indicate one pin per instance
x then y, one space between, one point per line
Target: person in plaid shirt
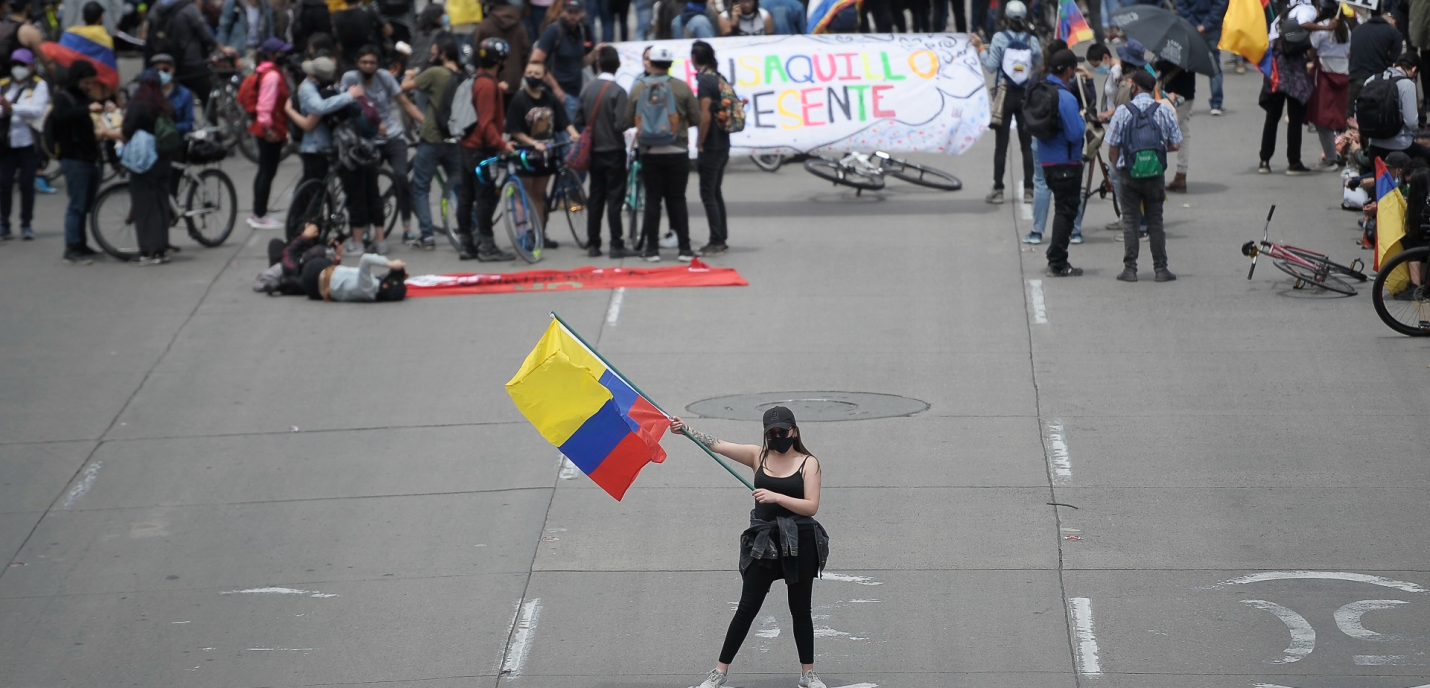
1139 136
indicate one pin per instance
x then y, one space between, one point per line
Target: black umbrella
1169 36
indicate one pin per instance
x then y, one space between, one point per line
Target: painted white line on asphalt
613 313
86 480
521 638
281 649
1303 637
1088 664
1348 619
1378 660
860 685
1277 685
1323 575
1058 447
843 578
1040 306
769 628
1025 209
278 591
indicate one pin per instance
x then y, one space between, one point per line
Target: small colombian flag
1389 215
1072 27
588 410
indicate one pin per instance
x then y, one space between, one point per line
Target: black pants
476 199
712 196
608 185
394 152
1142 201
199 80
363 200
665 176
1013 108
149 196
17 166
1065 181
1296 110
269 155
758 578
1353 92
940 15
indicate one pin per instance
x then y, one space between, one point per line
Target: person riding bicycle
533 119
484 142
386 95
310 113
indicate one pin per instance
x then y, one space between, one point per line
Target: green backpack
167 139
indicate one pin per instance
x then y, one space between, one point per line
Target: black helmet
492 51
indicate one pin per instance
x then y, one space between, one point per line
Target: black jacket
311 17
186 37
73 128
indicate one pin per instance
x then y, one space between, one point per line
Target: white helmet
1016 10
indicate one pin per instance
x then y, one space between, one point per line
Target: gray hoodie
359 283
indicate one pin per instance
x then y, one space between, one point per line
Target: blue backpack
1146 151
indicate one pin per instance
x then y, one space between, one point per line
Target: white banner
890 92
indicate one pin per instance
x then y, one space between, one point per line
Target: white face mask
20 73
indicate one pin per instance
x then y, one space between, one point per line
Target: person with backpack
380 87
315 102
1014 59
245 24
720 114
534 117
1387 111
179 97
603 105
1139 136
1085 90
177 28
1374 46
482 142
503 20
72 134
1051 113
149 111
568 45
433 145
262 95
663 110
24 100
1290 38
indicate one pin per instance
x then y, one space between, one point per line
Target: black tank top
791 486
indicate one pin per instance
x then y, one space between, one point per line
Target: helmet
1016 10
492 51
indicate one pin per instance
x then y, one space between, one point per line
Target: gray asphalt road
200 486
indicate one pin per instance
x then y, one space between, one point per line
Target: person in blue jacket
177 94
1061 158
1206 16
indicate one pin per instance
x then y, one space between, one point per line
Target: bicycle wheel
444 214
387 191
569 197
112 222
311 203
522 224
920 175
212 208
769 161
1326 263
1317 278
1400 304
830 170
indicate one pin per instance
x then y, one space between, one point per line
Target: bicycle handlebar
522 153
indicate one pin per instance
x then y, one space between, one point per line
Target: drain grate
810 406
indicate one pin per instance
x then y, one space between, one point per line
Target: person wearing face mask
503 20
178 95
533 119
76 137
24 99
568 42
313 106
148 189
386 94
783 542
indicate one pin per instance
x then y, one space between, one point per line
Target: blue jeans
699 28
644 8
1213 37
82 185
1043 200
424 166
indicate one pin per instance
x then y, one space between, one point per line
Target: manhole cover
809 406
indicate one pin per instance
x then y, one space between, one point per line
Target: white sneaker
1216 112
714 680
811 680
265 222
669 241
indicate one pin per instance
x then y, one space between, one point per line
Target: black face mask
533 83
780 444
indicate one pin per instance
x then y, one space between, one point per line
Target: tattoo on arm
707 440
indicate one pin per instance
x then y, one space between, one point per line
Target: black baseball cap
778 417
1061 60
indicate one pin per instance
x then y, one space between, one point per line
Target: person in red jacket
270 127
485 141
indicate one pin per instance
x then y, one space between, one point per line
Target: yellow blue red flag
588 410
1389 215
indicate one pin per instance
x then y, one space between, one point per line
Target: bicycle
209 211
223 111
1402 304
324 202
772 161
633 204
522 224
1105 188
866 172
1307 267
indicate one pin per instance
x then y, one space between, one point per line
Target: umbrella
1169 36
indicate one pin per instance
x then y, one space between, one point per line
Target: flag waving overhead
1244 29
1072 28
1389 215
588 410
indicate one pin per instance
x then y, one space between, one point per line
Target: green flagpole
627 380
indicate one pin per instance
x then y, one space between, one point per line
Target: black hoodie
311 17
186 37
73 127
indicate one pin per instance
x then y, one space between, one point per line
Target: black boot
487 252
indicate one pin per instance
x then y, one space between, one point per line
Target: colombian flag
821 12
91 43
1389 215
1072 28
588 410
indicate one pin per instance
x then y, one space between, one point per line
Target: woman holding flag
783 540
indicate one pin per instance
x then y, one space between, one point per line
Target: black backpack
443 111
1040 110
160 37
1378 107
1295 39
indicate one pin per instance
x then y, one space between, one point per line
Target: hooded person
78 150
503 20
178 28
374 279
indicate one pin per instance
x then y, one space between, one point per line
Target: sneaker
1076 239
811 680
1114 226
1165 275
491 254
1028 196
1033 238
1240 68
548 242
1064 271
380 248
1326 166
1297 170
263 222
85 250
145 261
27 234
1264 167
619 252
995 197
714 680
594 251
74 257
352 248
1216 112
652 257
1409 293
426 244
686 256
669 240
713 249
1118 237
1128 275
43 186
1142 235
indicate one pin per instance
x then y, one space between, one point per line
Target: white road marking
613 313
86 480
521 638
1277 685
1040 306
180 622
1058 447
278 591
281 649
1378 660
1303 637
769 628
1088 664
1323 575
843 578
1348 619
860 685
1024 209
